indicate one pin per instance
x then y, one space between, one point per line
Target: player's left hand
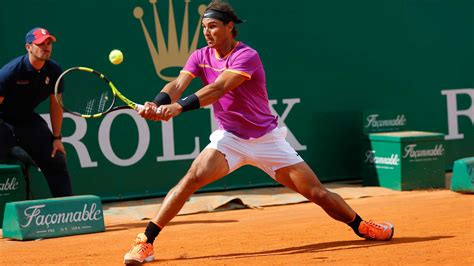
57 146
169 111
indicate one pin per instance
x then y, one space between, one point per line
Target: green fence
335 71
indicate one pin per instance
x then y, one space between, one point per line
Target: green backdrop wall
330 66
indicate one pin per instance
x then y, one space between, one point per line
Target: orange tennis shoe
376 231
140 252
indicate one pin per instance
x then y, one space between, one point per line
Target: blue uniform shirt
24 88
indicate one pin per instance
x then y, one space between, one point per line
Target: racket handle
139 107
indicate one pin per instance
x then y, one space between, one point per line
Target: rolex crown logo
169 54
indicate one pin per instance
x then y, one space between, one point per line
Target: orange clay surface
431 228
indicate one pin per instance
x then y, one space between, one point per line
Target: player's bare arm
210 93
56 113
226 82
1 99
176 87
173 89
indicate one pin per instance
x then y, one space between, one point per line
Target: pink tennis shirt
243 111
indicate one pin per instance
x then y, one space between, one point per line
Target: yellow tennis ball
116 57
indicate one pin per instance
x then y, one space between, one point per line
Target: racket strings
86 94
104 99
90 107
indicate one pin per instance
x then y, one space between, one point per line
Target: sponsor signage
53 217
12 186
384 121
413 154
9 185
405 160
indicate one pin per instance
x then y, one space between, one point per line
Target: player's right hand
150 112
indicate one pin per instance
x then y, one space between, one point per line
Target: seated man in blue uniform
25 82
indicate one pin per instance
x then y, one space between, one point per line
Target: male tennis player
234 83
25 82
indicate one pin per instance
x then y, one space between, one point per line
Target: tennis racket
89 93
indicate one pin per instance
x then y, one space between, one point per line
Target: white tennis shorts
269 152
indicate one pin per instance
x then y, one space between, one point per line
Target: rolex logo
167 54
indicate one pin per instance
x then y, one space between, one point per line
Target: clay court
433 227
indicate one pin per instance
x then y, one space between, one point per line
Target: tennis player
248 134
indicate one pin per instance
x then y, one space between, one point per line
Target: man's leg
300 178
36 139
7 140
209 166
